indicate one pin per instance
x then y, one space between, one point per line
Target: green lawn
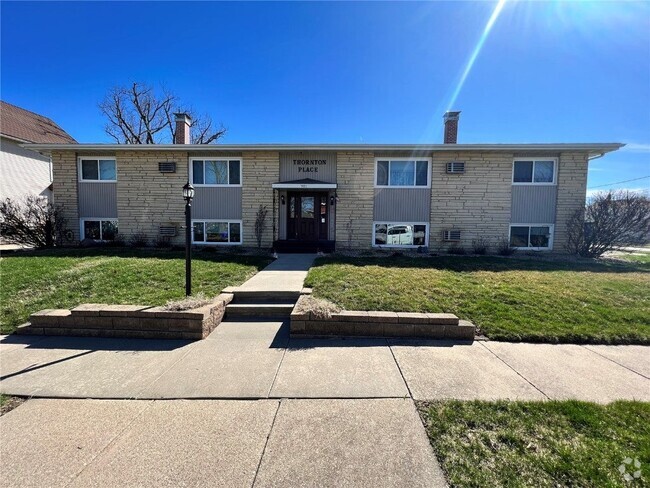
67 277
509 299
637 258
539 444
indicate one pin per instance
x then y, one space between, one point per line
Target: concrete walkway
287 273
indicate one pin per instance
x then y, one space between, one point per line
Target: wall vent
451 235
455 167
167 167
167 230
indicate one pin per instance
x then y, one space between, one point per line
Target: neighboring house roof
25 126
591 148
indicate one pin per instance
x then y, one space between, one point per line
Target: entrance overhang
306 184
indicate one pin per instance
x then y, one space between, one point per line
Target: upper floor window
221 172
534 171
97 169
402 172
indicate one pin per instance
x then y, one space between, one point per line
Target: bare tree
33 222
137 114
260 223
609 221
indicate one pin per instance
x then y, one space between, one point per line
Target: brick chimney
451 127
183 123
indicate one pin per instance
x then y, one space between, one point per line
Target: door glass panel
307 207
292 207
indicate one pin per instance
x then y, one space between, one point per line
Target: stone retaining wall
131 321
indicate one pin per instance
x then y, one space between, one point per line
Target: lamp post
188 194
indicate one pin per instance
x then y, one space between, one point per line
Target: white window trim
216 185
220 221
531 183
80 177
389 159
550 240
406 246
100 220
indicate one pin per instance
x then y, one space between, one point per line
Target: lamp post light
188 195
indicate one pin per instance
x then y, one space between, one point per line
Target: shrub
163 242
32 222
456 249
139 239
504 248
480 246
260 224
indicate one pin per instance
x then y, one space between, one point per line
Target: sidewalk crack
614 361
266 443
399 368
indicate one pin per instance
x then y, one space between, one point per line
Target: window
400 234
222 172
97 169
216 232
531 236
402 172
534 171
99 229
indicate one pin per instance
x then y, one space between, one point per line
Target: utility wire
619 182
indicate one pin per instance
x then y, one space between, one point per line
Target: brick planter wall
130 321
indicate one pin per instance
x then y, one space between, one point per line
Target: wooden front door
307 216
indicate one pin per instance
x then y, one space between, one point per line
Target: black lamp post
188 194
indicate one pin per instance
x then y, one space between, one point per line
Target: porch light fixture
282 199
332 200
188 195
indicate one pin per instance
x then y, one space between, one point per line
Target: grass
636 258
509 299
8 403
538 444
64 278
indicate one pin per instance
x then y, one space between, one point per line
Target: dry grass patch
318 307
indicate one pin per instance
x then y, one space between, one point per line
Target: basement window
222 172
216 232
99 229
97 169
534 237
399 234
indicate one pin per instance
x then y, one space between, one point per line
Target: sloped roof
26 126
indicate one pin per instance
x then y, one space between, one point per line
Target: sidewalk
287 273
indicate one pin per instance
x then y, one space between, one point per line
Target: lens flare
476 52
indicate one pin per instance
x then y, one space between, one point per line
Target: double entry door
307 216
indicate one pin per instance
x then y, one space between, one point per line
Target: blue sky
350 72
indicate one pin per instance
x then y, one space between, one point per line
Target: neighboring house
320 196
23 171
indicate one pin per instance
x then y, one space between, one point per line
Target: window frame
219 221
217 185
389 159
534 160
550 239
80 177
402 246
83 220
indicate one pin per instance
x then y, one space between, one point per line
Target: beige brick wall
147 198
477 202
259 171
572 189
354 210
64 193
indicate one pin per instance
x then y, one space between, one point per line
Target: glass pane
307 207
382 173
380 234
109 229
523 172
216 173
540 236
91 229
89 169
402 173
197 172
216 232
519 236
235 232
419 235
107 170
292 207
323 205
543 171
400 235
422 172
199 235
235 177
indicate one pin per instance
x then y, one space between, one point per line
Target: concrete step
276 310
248 296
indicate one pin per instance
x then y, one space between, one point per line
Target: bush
260 224
32 222
504 248
139 239
610 221
480 246
163 242
456 249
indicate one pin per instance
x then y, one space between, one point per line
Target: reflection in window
402 173
100 230
533 171
525 236
217 232
400 234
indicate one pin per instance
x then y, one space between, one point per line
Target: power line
618 182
